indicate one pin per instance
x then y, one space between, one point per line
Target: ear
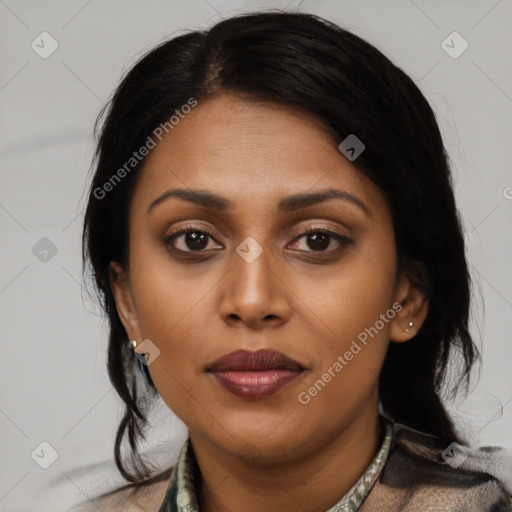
121 289
414 302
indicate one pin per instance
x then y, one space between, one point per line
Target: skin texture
273 454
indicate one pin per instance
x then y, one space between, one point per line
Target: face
246 275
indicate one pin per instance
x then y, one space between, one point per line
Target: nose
255 294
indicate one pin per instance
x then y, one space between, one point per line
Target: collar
181 494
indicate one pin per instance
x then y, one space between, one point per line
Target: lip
255 374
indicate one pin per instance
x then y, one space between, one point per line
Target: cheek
361 289
162 293
356 305
166 306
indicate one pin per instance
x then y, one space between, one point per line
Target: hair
304 62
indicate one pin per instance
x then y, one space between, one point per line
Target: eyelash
343 240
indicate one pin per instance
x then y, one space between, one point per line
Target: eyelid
296 232
321 225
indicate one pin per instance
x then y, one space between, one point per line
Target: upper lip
245 360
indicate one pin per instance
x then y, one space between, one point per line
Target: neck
313 483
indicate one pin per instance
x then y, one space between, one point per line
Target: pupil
197 240
319 241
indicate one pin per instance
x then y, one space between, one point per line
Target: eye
319 240
189 239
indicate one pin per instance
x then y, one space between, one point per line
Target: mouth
255 375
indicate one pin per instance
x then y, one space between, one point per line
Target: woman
272 231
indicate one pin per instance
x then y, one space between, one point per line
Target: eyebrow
286 204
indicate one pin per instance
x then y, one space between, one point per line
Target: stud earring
141 357
409 325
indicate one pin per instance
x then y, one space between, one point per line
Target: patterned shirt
181 493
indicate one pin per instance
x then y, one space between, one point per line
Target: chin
264 440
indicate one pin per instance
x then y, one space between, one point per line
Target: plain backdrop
54 387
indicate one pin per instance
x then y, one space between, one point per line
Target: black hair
304 62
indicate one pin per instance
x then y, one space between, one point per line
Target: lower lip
256 384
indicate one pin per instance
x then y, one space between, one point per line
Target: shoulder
129 498
425 473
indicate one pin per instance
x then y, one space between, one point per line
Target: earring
141 357
409 325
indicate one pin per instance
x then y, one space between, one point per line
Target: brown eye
192 239
320 239
189 239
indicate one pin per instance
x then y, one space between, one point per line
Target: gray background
54 386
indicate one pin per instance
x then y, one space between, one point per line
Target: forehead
250 151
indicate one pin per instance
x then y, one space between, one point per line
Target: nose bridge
253 292
253 270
